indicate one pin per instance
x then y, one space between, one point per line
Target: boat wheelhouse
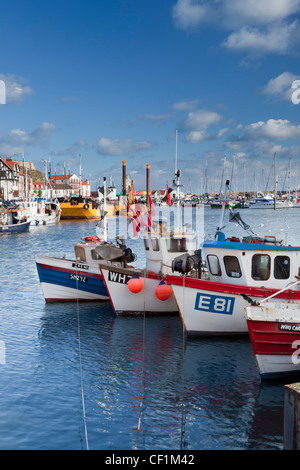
214 304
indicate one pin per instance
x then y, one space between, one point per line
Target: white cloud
197 124
188 14
185 105
17 139
255 26
278 39
15 87
201 119
238 13
275 129
280 87
116 147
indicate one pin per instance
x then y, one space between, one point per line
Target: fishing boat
13 220
144 291
274 329
79 208
79 279
42 211
210 301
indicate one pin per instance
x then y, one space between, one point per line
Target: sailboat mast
275 181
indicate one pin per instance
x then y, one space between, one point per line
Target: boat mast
79 175
104 208
275 181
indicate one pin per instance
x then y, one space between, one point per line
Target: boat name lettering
214 303
118 277
289 327
80 266
77 277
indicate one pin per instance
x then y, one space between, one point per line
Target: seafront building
17 181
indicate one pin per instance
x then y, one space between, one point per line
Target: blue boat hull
15 228
64 284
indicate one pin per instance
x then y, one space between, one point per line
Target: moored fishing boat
274 329
144 291
42 211
67 280
79 279
13 220
210 302
80 208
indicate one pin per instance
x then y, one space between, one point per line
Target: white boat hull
210 313
209 308
45 219
125 302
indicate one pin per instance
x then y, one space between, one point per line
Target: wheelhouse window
80 253
176 245
214 265
282 267
155 244
232 266
95 255
260 267
146 243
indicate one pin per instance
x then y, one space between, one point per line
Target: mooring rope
142 385
80 366
183 349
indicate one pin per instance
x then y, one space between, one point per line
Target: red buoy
135 284
163 291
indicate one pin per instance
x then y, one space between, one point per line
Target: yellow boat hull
84 211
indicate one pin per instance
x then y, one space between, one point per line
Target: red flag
135 219
168 196
151 206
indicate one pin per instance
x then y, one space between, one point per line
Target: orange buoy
163 291
135 284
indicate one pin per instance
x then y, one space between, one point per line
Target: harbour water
145 385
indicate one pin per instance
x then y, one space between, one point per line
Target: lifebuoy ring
86 206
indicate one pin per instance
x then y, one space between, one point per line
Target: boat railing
257 304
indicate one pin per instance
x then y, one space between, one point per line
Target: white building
69 185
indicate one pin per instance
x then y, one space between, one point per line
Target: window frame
209 265
230 272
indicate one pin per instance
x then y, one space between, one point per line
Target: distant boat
13 220
266 201
79 208
42 211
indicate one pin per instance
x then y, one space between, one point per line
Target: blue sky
113 80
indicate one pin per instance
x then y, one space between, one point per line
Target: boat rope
142 384
80 367
182 381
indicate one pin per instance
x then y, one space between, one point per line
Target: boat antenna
224 200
